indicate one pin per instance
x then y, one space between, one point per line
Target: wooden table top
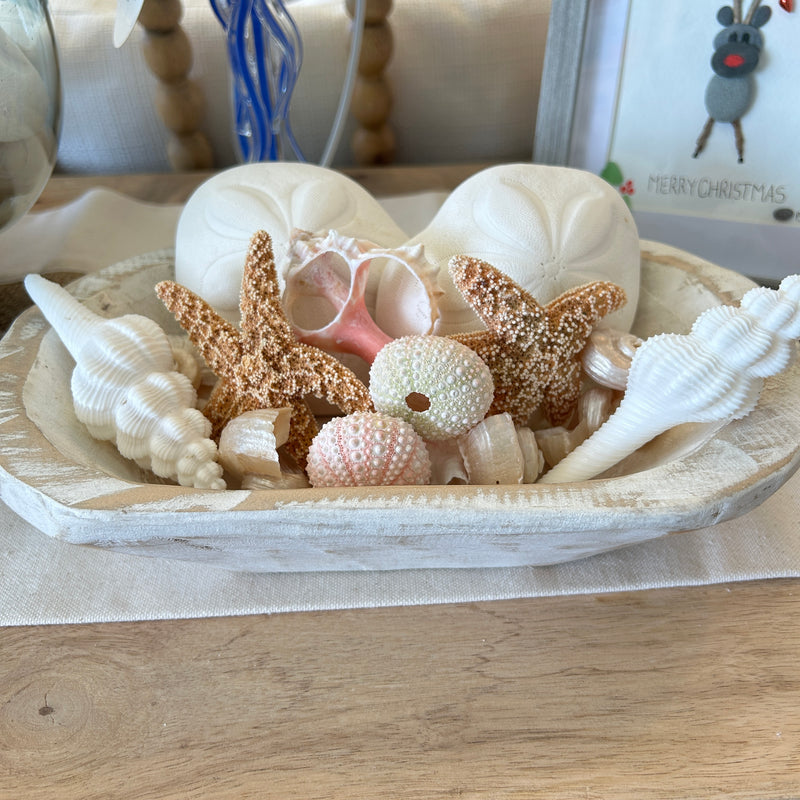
670 693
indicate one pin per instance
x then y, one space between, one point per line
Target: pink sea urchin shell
368 449
437 384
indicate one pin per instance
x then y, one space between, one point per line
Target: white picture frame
587 96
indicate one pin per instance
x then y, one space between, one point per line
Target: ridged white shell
248 444
333 300
125 388
713 373
438 385
547 228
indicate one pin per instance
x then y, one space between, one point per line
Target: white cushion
465 77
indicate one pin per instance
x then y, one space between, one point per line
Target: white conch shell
607 356
496 452
248 444
337 296
125 388
548 228
713 373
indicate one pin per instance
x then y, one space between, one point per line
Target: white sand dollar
215 227
548 228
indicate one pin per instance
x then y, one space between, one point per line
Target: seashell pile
552 388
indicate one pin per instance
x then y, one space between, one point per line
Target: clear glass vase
30 105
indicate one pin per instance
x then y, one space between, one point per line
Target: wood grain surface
679 693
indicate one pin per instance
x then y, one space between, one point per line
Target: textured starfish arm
217 340
302 430
586 304
330 380
260 297
222 406
502 305
561 394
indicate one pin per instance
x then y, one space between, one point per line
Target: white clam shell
547 228
712 374
125 388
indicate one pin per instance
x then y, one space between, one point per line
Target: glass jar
30 105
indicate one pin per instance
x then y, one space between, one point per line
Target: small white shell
125 388
712 374
607 356
496 452
248 444
594 408
447 465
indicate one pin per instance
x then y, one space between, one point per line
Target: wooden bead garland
179 99
373 141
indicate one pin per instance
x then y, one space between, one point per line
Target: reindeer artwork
737 49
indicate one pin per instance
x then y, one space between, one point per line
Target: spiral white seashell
332 303
548 228
713 373
126 389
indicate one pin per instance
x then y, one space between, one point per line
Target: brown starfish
263 365
531 350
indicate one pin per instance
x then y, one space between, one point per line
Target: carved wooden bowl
82 491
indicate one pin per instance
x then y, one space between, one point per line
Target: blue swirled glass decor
265 54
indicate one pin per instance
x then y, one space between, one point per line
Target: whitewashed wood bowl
82 491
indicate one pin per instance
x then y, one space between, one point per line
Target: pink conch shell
712 374
334 273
